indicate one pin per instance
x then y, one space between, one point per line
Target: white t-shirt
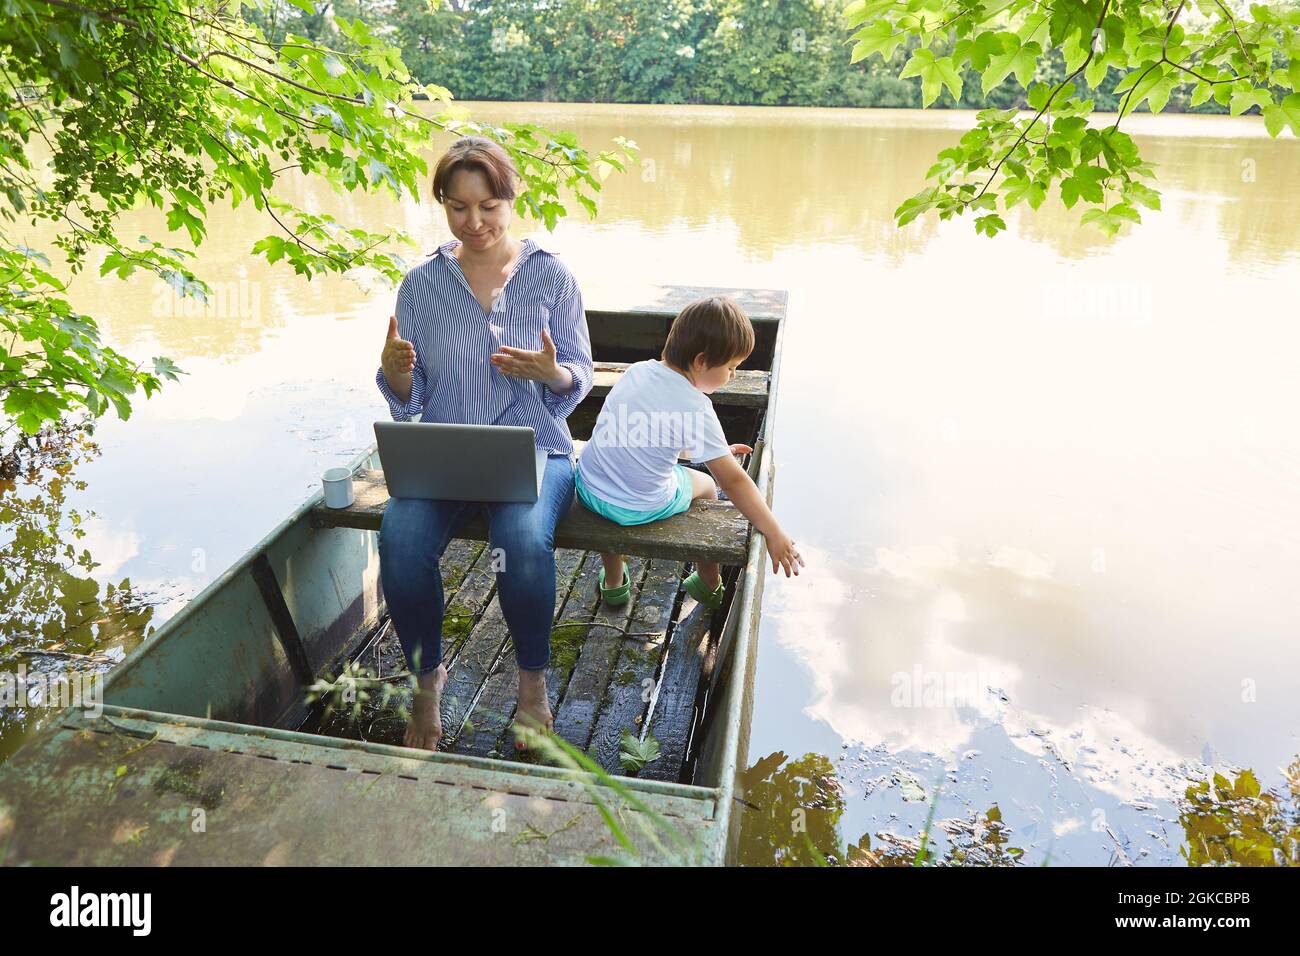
650 415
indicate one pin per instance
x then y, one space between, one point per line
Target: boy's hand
782 552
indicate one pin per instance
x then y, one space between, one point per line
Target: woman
491 331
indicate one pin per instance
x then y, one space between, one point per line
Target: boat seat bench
747 389
709 531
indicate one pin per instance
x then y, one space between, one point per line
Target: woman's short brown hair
480 153
714 325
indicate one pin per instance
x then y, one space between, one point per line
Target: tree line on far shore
727 52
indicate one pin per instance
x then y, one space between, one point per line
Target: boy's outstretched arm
742 491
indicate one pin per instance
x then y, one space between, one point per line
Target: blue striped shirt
454 379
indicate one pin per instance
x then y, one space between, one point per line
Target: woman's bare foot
424 729
533 712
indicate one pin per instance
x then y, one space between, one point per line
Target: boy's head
708 340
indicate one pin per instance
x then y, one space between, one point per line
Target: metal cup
337 483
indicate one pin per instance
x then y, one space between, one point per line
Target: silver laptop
460 462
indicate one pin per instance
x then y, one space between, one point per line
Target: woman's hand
741 450
398 362
398 357
539 366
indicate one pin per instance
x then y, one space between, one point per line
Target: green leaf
1032 24
634 754
949 76
1084 184
978 51
878 36
273 246
1037 95
1021 60
913 206
1096 69
381 171
860 11
1143 83
1074 52
165 368
1143 194
186 285
1159 95
1125 211
1286 113
179 216
1110 220
934 74
1024 190
1243 100
1131 77
1070 129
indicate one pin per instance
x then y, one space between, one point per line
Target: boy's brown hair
714 325
480 153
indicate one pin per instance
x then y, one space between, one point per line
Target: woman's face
475 217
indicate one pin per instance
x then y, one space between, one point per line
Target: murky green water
1046 484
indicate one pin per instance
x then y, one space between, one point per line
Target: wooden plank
566 642
469 563
709 531
494 711
749 387
673 710
632 323
463 610
456 563
576 717
640 300
625 703
492 720
717 672
490 639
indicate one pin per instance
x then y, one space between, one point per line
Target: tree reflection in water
792 811
55 618
1237 822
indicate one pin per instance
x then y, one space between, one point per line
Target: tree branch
1025 132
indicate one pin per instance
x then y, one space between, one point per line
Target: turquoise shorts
627 516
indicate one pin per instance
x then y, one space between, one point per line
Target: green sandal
697 589
618 596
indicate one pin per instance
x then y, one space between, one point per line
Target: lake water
1046 484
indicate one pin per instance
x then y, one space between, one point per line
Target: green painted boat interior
208 751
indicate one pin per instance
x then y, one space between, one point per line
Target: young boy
659 409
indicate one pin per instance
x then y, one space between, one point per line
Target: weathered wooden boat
207 751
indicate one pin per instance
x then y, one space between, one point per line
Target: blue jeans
415 533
